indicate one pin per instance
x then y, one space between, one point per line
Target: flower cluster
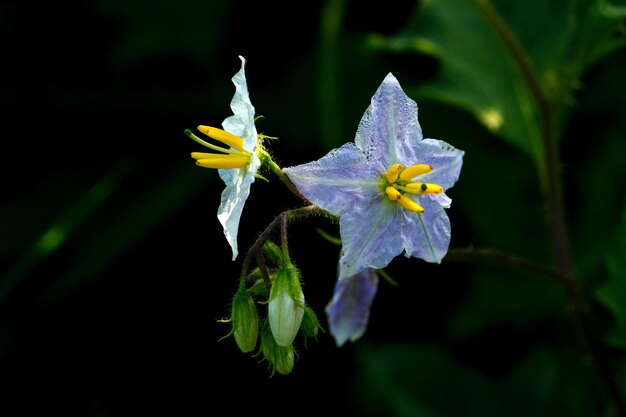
270 303
387 189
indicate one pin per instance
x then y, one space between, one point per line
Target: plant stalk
554 199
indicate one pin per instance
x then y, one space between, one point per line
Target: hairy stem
281 220
554 198
266 159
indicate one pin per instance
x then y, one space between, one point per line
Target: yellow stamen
205 155
409 204
414 171
423 188
223 161
397 185
243 152
392 174
223 136
393 194
403 200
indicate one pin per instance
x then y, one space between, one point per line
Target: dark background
114 270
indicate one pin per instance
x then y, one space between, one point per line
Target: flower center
233 157
399 181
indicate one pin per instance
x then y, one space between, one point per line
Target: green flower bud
286 304
284 360
281 358
272 252
245 320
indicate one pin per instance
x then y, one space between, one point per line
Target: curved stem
267 160
554 197
281 220
461 254
283 236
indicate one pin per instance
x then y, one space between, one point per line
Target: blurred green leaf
116 235
612 10
331 23
613 292
55 235
477 71
596 164
405 380
505 298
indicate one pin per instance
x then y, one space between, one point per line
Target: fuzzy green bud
281 358
286 304
272 252
245 320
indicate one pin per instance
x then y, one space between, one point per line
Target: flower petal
445 160
234 196
349 309
241 123
389 130
427 235
370 236
338 182
238 181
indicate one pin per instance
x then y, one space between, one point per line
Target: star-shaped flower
387 188
238 164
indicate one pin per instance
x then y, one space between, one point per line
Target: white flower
236 165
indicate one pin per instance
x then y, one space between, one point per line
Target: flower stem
460 254
554 198
266 159
281 220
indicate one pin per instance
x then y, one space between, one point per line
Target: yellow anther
423 188
204 155
409 204
404 201
414 171
223 136
394 171
393 194
222 161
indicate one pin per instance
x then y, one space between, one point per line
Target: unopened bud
286 304
272 252
245 320
281 358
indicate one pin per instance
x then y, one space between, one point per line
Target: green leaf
501 297
478 72
55 235
151 205
406 380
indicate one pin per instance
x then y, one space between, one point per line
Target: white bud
286 305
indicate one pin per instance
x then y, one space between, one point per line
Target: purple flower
348 311
387 188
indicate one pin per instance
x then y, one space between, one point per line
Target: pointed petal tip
340 340
390 78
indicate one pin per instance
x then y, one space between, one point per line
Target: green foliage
408 380
478 71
